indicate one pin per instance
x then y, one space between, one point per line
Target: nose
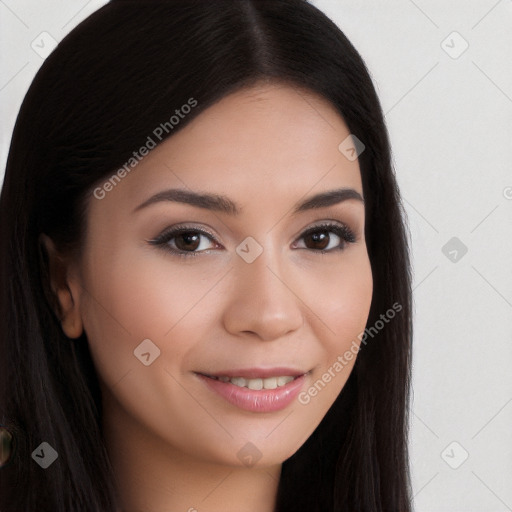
263 301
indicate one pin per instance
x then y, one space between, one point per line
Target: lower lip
264 400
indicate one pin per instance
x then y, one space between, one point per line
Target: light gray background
449 116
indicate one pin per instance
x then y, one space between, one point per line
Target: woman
205 278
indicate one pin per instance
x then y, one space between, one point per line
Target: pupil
190 239
320 237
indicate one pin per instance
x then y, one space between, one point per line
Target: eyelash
344 232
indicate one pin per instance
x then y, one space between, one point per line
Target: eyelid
345 232
176 230
330 224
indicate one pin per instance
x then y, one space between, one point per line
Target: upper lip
255 373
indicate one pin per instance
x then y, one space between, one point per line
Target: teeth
257 384
270 383
281 381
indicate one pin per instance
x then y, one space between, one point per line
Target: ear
66 289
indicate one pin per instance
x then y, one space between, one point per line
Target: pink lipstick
256 390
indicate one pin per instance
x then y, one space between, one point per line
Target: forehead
256 144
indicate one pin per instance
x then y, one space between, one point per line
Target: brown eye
184 241
187 241
318 240
327 238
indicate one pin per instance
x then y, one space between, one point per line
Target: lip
264 400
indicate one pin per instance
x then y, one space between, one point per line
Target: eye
328 237
183 241
190 241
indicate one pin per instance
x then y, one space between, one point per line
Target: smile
272 390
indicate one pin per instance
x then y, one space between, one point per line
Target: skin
174 443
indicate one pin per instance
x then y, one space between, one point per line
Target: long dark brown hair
108 84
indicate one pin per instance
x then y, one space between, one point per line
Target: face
191 306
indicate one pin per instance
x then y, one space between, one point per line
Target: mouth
256 390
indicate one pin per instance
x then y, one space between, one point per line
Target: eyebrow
225 205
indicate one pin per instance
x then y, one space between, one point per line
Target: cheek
132 298
342 300
341 312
